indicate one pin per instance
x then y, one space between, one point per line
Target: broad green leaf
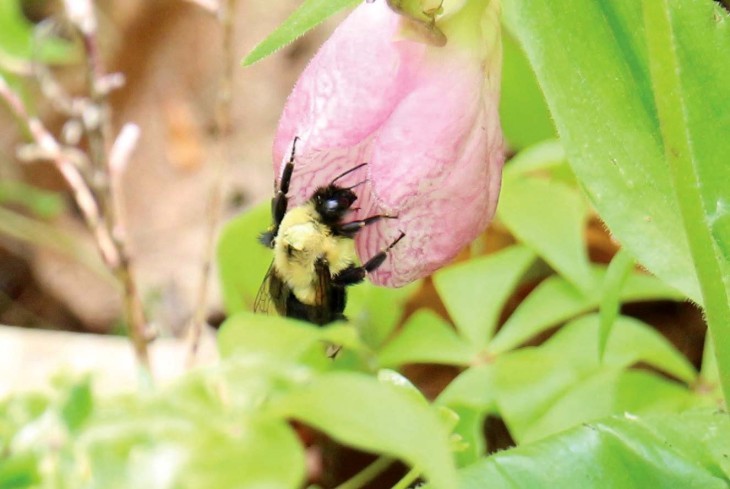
359 411
474 292
609 124
376 311
426 338
529 382
549 217
263 455
473 388
309 14
242 260
616 274
631 342
685 450
77 405
555 301
254 334
471 430
700 204
546 155
19 472
606 393
522 109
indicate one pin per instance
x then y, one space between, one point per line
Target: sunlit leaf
242 260
549 217
606 393
474 292
616 274
254 334
522 109
364 413
685 450
555 301
609 124
631 341
309 14
426 338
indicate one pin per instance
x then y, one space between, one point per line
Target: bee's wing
264 302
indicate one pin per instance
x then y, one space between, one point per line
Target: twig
215 196
46 145
89 176
97 124
366 475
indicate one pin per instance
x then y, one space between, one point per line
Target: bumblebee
314 251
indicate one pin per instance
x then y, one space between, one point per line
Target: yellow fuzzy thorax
302 240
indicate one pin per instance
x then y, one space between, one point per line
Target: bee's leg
280 201
354 275
349 229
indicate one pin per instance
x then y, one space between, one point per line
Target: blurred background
170 53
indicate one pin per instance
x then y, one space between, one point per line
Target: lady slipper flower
424 118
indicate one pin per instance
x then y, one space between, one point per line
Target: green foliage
522 109
689 451
536 328
609 124
309 14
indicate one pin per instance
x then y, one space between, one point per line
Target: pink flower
423 117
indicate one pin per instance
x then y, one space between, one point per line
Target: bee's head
333 202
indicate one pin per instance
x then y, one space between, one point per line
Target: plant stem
97 124
216 192
408 479
665 71
367 474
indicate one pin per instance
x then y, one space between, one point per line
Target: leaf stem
665 74
367 474
408 479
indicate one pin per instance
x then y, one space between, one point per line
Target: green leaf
549 217
376 311
262 455
522 109
78 404
546 155
309 14
699 173
687 450
631 342
470 429
426 338
473 388
616 275
19 471
529 382
475 292
242 260
555 301
364 413
253 334
606 393
610 127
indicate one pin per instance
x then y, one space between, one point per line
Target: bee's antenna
358 184
347 172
